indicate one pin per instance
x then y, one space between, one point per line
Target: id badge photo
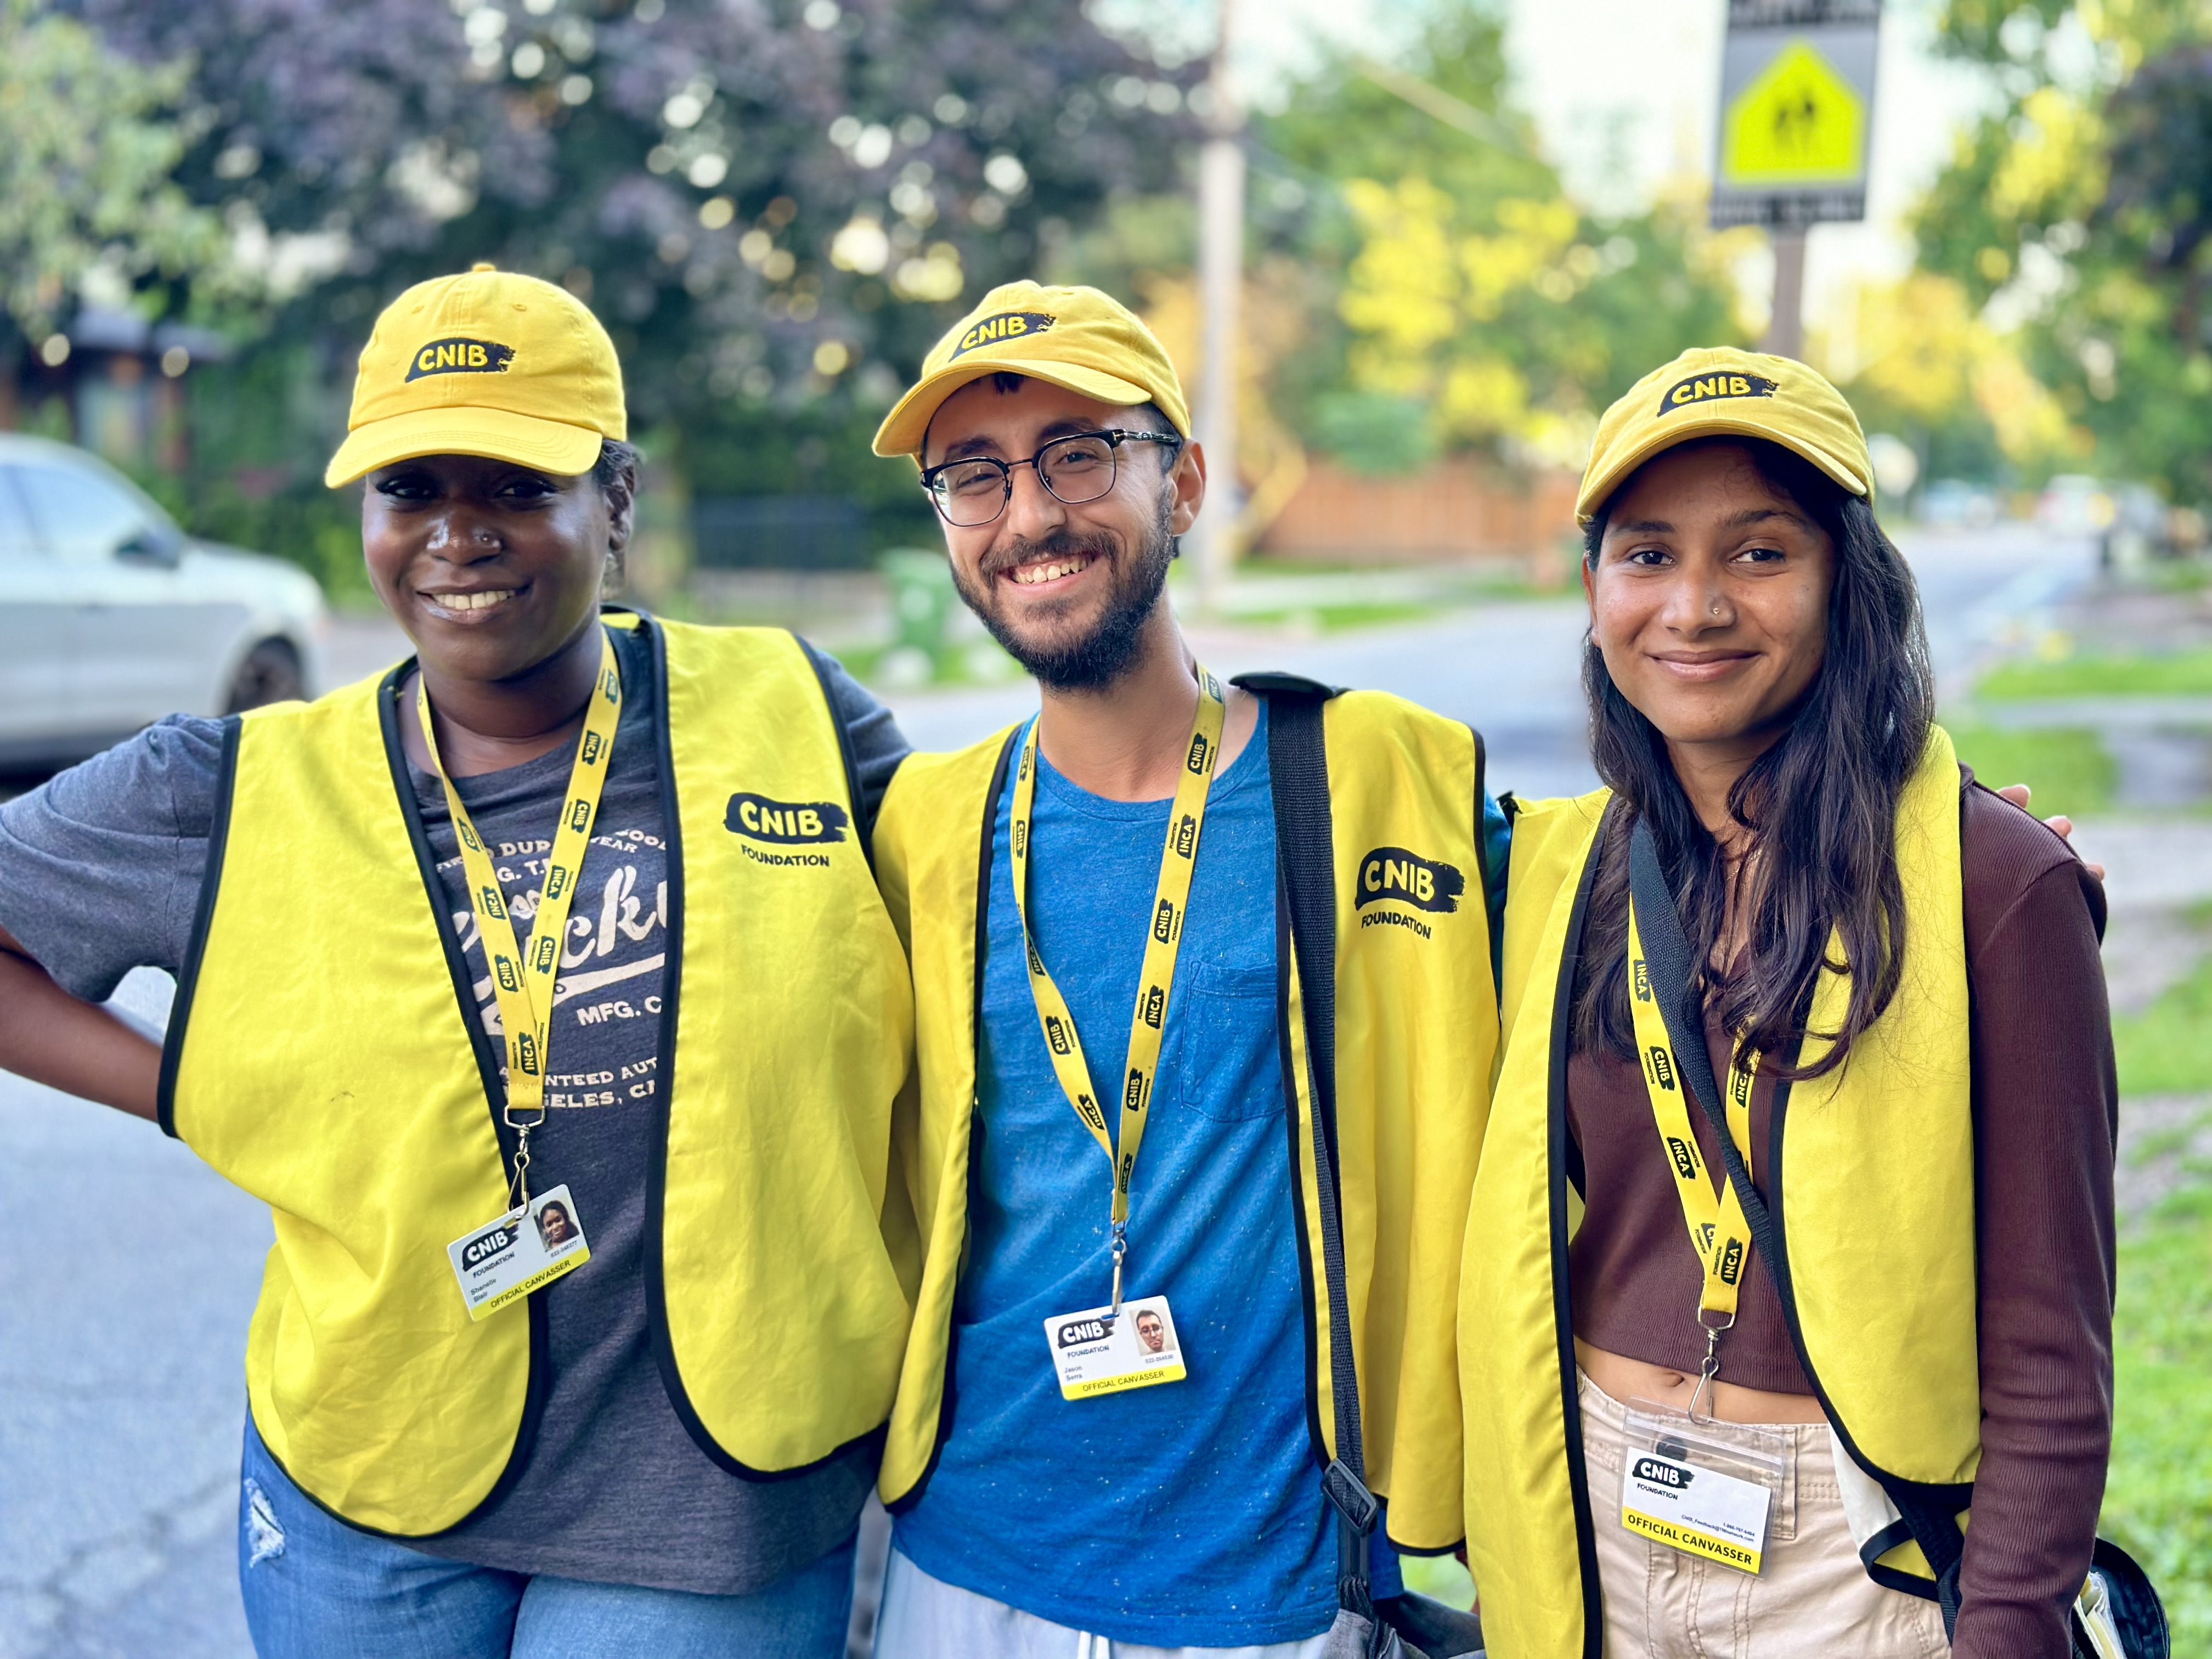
524 1250
1704 1488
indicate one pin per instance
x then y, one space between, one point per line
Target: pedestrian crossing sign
1800 124
1796 112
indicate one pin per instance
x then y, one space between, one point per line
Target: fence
779 533
1459 511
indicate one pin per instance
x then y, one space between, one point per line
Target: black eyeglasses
1076 469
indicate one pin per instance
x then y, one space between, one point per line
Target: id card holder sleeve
1707 1489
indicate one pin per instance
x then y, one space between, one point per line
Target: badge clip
1121 1250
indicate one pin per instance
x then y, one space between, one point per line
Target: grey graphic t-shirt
100 873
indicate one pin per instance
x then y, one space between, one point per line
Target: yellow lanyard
1718 1231
523 985
1170 903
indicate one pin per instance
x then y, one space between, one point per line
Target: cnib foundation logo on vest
784 823
1394 875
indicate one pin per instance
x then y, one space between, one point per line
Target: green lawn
2183 673
2067 767
2158 1502
2166 1049
1332 618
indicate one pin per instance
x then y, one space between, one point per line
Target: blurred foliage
1917 360
2069 768
2082 203
1462 281
774 208
88 143
1379 434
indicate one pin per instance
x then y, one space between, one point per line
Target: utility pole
1220 281
1785 327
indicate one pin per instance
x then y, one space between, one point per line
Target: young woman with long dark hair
1792 1241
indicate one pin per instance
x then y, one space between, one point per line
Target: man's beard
1110 649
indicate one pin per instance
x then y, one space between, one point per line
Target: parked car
112 617
1956 504
2074 504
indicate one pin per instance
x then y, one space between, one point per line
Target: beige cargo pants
1811 1598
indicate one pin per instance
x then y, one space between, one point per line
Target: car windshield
78 513
16 539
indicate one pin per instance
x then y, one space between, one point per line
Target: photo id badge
524 1250
1703 1489
1094 1354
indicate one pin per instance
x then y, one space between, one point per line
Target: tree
1477 306
87 142
2081 206
775 206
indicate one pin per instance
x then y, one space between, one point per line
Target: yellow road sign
1799 123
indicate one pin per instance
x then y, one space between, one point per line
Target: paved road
1513 669
130 1271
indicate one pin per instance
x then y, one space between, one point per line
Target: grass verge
2164 1050
2158 1500
2067 767
2180 673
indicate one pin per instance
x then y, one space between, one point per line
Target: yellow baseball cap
1716 390
1076 337
486 364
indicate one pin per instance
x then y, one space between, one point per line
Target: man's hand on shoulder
2018 795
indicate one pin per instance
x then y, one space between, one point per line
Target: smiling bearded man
1116 1140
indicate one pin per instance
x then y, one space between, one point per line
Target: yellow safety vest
1873 1188
321 1056
1416 1035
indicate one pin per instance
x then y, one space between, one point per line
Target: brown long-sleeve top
2045 1114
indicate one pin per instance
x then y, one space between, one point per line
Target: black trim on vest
864 821
1294 1126
1557 1142
457 969
985 858
188 975
656 1177
1481 839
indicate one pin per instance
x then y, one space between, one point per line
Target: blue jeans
318 1588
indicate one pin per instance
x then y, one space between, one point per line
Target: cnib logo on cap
1704 388
460 356
995 331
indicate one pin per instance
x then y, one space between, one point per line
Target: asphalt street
129 1270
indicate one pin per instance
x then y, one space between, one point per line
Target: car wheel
270 673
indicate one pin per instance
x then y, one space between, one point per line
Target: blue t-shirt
1189 1514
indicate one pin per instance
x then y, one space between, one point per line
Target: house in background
116 381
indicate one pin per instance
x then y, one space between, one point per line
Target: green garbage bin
922 601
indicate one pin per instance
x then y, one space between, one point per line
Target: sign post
1796 129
